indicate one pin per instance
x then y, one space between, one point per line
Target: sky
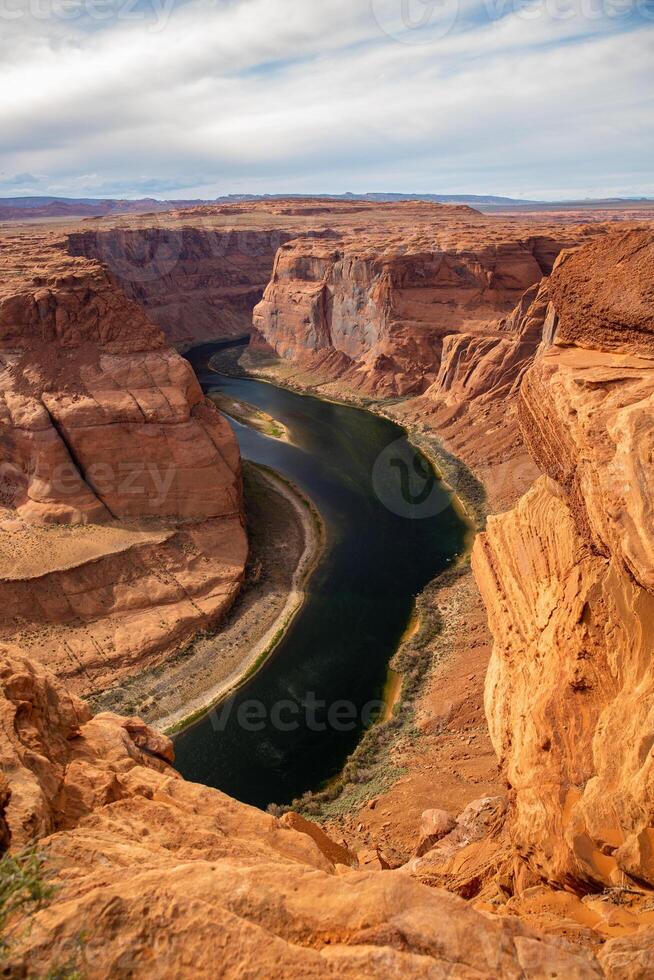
545 99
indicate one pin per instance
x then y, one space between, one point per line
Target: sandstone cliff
442 308
195 282
388 304
121 528
473 403
567 577
158 877
166 877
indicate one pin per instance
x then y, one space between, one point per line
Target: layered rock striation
392 308
158 877
442 309
195 281
121 533
105 432
567 577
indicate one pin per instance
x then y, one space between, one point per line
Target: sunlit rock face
169 878
121 498
395 307
567 577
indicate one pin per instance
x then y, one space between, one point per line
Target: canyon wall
442 308
196 282
552 399
121 533
568 580
121 523
158 877
390 308
473 403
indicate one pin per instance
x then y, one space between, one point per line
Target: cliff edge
568 580
121 519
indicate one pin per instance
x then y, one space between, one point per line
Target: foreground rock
158 877
121 528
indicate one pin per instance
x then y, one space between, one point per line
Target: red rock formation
158 877
163 872
568 581
473 404
101 423
424 306
195 281
390 303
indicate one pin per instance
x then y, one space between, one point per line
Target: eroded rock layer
104 430
391 306
159 877
195 281
121 533
567 577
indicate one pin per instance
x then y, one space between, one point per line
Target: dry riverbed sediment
286 539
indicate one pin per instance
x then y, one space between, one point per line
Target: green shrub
23 888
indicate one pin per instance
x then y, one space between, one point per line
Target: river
391 528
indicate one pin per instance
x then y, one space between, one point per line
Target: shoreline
315 539
468 510
427 643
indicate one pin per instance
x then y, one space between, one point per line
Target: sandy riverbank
286 539
253 649
250 415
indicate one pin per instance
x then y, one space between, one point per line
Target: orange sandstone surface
121 524
159 877
567 577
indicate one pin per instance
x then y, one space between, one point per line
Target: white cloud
210 97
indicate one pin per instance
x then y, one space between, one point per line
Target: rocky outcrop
104 569
567 577
401 309
473 403
445 309
158 877
105 430
196 282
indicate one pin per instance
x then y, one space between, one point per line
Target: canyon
195 282
121 491
523 347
